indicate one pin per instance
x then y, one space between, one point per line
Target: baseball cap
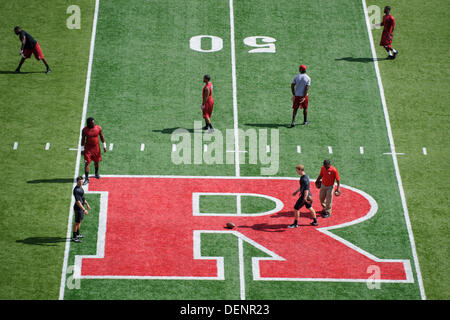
303 67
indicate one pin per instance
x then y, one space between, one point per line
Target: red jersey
91 134
210 98
328 176
388 23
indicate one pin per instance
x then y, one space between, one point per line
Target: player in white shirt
299 87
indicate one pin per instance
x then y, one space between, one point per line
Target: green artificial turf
146 82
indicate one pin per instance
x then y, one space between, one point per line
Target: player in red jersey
90 147
388 33
29 46
208 103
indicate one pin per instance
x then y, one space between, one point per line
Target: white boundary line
233 75
394 154
77 163
255 260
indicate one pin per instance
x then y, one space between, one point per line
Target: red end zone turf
151 232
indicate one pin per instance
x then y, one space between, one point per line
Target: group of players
90 147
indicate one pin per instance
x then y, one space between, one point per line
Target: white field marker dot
361 150
174 147
111 146
330 149
142 147
16 145
299 149
424 150
47 146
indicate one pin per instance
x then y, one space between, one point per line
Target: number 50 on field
262 44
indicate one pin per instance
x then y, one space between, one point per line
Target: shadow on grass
171 130
57 180
361 60
21 72
43 241
268 125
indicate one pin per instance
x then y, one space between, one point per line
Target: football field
167 188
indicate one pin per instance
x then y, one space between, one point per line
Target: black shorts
79 215
300 203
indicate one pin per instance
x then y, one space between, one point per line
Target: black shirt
304 185
30 43
78 193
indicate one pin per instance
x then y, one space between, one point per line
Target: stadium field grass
132 86
136 106
417 93
35 109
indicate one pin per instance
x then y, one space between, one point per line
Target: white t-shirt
301 80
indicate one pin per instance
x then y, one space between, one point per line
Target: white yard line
233 76
77 163
394 154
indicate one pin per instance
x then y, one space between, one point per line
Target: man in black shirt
79 209
29 46
305 198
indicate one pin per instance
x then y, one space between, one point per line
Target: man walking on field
299 87
325 181
90 148
207 103
388 33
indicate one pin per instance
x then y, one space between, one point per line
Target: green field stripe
36 108
416 95
154 79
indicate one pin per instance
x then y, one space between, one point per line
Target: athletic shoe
211 130
80 236
314 224
76 240
305 123
389 57
395 54
293 226
205 128
48 71
17 71
326 215
97 176
86 181
292 125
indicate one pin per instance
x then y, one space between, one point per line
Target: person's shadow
268 125
171 130
361 60
55 180
21 72
43 241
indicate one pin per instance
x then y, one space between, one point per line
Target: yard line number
262 44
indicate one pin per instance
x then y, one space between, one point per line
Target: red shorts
208 109
92 155
36 51
296 103
386 39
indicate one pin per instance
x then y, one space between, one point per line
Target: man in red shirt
90 147
208 103
388 33
328 175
